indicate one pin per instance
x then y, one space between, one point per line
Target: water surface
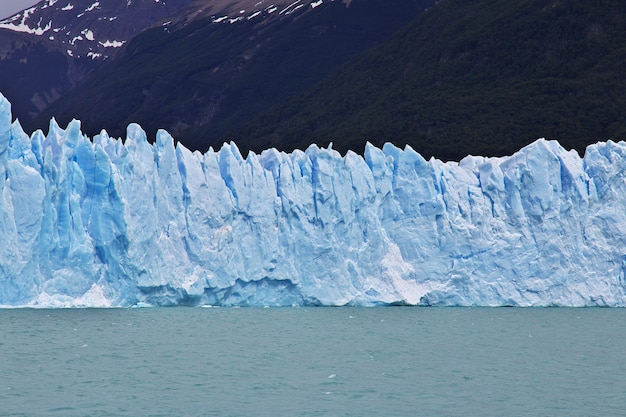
313 362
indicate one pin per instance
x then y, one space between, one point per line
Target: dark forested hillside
469 77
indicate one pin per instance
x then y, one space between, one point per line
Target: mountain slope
90 28
208 74
479 77
50 47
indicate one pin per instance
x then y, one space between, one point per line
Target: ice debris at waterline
113 223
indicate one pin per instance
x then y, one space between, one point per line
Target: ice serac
106 222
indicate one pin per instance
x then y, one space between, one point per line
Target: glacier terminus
110 222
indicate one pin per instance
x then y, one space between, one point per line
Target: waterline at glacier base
109 223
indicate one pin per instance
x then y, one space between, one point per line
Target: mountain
47 49
112 223
198 77
460 77
89 28
50 47
469 77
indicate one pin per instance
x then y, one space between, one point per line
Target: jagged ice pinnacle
120 223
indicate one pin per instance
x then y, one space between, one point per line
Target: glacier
112 223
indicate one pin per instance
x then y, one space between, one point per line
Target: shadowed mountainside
199 79
469 77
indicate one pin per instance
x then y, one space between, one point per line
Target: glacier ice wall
118 223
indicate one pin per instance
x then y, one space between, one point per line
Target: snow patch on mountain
92 7
112 44
246 14
88 34
49 3
18 23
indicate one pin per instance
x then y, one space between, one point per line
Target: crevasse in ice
120 223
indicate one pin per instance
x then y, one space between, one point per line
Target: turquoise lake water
313 362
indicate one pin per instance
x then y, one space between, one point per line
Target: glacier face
120 223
